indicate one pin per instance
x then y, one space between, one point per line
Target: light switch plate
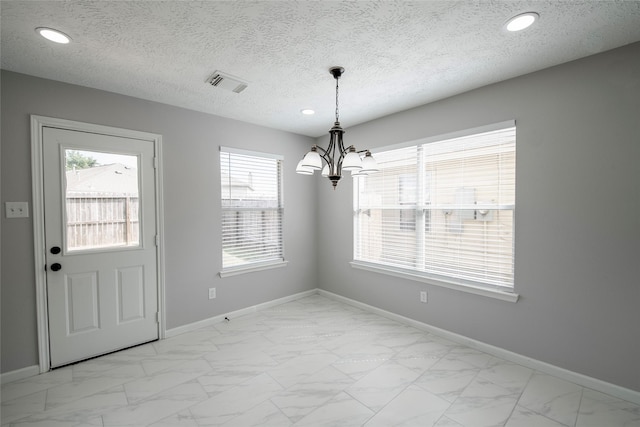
16 209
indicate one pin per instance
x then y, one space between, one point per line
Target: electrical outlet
423 296
212 293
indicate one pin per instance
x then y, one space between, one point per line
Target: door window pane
101 200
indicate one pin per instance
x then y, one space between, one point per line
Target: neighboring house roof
113 179
235 182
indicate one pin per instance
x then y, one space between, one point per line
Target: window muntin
252 208
462 210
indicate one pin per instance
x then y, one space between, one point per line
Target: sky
109 158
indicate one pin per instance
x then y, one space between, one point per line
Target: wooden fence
102 220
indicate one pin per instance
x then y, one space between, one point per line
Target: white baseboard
574 377
31 371
19 374
580 379
243 311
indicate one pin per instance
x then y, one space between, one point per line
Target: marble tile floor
309 362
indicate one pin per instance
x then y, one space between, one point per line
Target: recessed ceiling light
522 21
307 112
53 35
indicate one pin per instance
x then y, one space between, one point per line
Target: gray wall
191 198
577 246
577 214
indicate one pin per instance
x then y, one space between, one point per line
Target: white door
100 237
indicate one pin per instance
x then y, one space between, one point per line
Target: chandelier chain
337 110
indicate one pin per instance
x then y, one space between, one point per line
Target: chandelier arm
326 158
342 150
324 154
331 153
346 150
321 149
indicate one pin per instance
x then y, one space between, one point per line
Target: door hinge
157 240
157 317
155 163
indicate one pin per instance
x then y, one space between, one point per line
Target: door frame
37 179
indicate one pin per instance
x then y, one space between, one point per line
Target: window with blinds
252 208
443 209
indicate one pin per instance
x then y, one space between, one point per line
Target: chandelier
336 157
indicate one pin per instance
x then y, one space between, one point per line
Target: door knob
56 266
55 250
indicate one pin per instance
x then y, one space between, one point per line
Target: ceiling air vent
227 81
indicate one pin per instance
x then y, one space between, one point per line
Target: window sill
250 269
477 290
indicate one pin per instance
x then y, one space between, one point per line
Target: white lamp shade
325 171
369 164
312 160
358 172
303 170
351 161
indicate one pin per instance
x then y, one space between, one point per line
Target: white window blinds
252 208
443 209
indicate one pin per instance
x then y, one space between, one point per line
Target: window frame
498 292
258 265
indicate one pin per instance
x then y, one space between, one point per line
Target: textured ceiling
397 54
